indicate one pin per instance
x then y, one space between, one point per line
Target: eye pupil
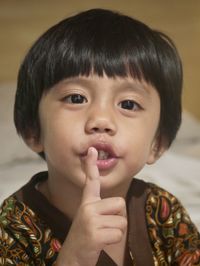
77 98
127 104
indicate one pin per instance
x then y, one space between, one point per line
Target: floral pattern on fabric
174 238
24 238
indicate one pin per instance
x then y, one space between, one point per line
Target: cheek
59 137
137 146
136 160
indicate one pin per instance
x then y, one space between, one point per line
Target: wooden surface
22 21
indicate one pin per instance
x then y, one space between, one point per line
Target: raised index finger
91 191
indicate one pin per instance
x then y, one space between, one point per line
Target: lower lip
107 164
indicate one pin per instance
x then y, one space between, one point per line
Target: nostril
95 129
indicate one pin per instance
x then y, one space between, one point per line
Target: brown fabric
57 221
32 230
138 241
138 235
105 260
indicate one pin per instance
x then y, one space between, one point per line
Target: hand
98 222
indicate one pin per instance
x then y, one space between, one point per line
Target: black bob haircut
101 42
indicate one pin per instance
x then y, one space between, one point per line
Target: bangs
96 58
102 42
113 46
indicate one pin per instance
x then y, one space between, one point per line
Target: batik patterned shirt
32 230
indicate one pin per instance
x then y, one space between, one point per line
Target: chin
110 187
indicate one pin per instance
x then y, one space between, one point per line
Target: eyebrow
136 86
77 81
123 83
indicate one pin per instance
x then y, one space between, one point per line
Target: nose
101 121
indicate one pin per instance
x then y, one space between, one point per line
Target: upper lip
100 146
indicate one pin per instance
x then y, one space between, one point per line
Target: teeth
102 155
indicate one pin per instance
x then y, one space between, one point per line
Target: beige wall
22 21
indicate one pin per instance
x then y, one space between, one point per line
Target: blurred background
22 21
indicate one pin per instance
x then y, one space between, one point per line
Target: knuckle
121 202
86 214
124 223
118 235
92 221
92 236
91 216
87 209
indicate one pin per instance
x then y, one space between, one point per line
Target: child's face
119 117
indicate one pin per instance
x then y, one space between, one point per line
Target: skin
121 114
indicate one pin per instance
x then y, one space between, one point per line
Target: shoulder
11 212
24 238
12 208
170 228
165 207
14 213
164 202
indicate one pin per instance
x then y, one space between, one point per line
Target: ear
34 143
158 147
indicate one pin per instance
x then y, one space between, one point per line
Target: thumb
91 190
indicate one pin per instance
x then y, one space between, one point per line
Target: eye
75 99
130 105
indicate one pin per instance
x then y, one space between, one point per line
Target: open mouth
107 158
103 155
105 151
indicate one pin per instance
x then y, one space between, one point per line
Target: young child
98 97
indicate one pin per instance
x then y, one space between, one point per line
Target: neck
65 196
